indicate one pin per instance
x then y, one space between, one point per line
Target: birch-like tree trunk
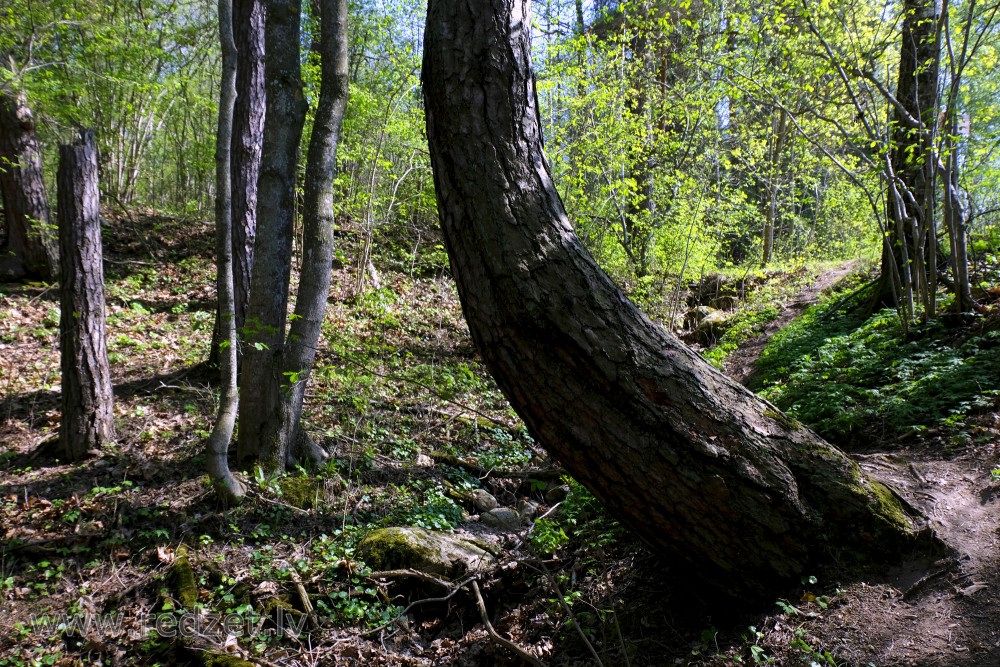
229 489
908 257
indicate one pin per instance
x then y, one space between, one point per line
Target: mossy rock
712 326
184 580
308 492
439 554
282 615
211 659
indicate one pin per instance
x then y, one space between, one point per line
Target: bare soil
943 612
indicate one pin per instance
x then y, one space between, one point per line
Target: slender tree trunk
955 214
744 497
32 246
87 419
229 489
299 351
777 141
911 195
247 140
260 381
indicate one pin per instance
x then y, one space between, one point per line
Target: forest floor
940 612
89 550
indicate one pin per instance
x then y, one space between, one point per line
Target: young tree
276 367
909 254
229 489
745 497
87 419
31 246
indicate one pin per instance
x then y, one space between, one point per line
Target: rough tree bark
247 139
274 378
746 498
87 419
229 490
299 351
31 247
271 271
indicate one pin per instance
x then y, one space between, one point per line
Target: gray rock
556 494
712 326
439 554
695 316
483 501
527 509
501 518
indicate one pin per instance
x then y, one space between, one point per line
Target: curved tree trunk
697 465
31 247
87 419
228 488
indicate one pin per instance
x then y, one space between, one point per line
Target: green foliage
547 536
428 507
580 519
851 378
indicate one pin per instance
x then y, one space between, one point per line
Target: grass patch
858 380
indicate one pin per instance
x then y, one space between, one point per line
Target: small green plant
547 536
433 510
757 653
815 657
787 608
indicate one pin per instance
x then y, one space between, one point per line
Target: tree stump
87 420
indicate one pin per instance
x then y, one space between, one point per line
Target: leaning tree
697 465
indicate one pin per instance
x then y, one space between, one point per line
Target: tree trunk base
306 451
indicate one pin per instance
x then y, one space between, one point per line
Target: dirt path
739 365
942 612
945 612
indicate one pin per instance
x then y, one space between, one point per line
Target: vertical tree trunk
299 351
87 419
273 437
260 380
247 140
248 137
777 141
31 247
910 196
227 487
744 497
